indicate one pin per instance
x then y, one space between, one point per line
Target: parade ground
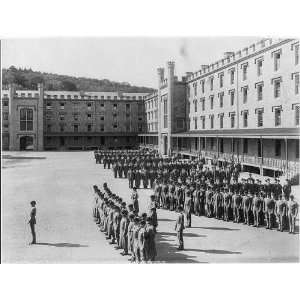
61 183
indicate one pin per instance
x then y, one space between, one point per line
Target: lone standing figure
32 221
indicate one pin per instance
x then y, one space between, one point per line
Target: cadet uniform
179 227
292 213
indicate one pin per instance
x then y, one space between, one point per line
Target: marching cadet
196 197
137 178
144 178
287 189
142 242
208 202
116 223
257 209
110 222
114 168
130 236
125 169
269 210
151 177
237 206
179 227
135 201
130 178
179 195
202 200
227 198
218 201
104 162
188 208
150 240
124 232
32 221
171 195
281 212
120 170
157 192
153 216
247 205
292 213
135 235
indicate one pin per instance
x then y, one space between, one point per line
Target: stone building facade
56 120
244 107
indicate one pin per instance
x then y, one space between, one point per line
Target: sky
132 60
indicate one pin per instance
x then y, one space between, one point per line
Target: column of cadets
216 190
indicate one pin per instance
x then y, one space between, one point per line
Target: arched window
26 119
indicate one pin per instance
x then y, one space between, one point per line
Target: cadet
292 213
247 205
142 241
124 232
135 235
287 189
130 178
114 167
218 201
226 204
237 206
130 236
32 222
116 223
135 201
150 240
196 197
209 202
179 227
137 179
153 216
171 195
188 208
281 211
269 210
257 208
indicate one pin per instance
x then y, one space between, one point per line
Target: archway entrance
26 143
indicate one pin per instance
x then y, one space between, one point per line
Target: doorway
26 143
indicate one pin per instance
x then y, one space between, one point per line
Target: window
277 88
221 95
49 105
127 107
101 118
296 54
75 117
245 146
140 127
277 60
108 97
62 97
195 105
245 67
102 127
212 121
62 127
62 106
203 86
232 120
245 94
203 104
61 117
195 88
277 116
165 113
116 98
89 116
277 148
259 67
115 125
89 127
296 83
245 118
49 127
221 121
260 121
195 123
221 77
5 116
259 92
211 83
102 106
231 97
203 122
26 119
75 127
211 102
5 103
232 76
115 106
297 115
89 106
102 97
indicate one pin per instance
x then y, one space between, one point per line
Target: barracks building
55 120
244 107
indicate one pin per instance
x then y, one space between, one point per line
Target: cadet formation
192 187
132 233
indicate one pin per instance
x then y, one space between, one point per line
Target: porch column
262 157
286 156
217 147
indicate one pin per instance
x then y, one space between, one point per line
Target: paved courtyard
61 183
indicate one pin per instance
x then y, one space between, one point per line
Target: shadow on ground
70 245
217 228
22 157
168 253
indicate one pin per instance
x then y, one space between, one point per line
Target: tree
67 85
